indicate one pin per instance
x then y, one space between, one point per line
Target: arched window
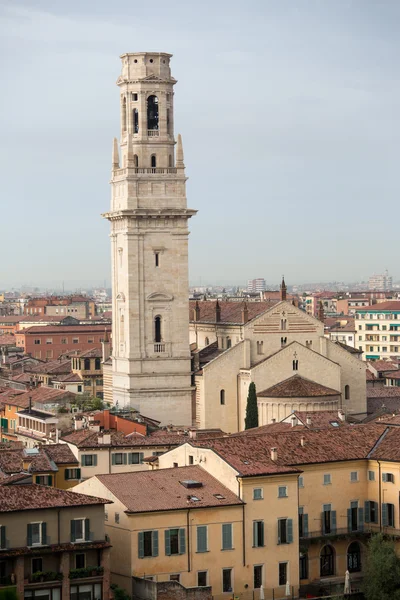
327 562
295 365
347 392
152 112
283 324
228 342
206 342
124 114
170 161
136 160
222 396
153 161
87 364
354 557
135 115
97 364
283 341
157 329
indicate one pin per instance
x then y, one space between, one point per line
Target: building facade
256 285
378 331
383 282
149 247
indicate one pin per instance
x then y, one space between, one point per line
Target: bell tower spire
149 247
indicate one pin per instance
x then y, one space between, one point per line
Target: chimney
294 421
217 312
283 290
196 312
273 420
107 438
308 420
274 454
302 441
341 415
245 312
193 433
57 435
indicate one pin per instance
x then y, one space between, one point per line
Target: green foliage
9 593
85 572
382 575
119 593
251 408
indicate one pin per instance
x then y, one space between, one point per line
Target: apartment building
378 331
256 285
53 544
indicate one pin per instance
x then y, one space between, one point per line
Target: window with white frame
257 494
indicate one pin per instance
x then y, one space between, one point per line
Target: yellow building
88 366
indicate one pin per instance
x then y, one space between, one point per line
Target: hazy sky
289 112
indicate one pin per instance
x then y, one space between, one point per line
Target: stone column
64 568
19 575
105 563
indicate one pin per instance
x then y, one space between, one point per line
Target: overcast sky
289 113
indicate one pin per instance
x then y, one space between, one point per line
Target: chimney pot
308 421
302 441
294 421
274 454
273 420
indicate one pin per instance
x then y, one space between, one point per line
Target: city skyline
296 123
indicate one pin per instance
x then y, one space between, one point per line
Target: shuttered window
80 530
258 534
147 544
285 531
3 542
119 458
89 460
37 534
227 540
135 458
175 541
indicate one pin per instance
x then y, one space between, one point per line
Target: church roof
297 387
231 312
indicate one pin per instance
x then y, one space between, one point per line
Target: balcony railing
368 529
159 348
45 576
153 133
156 170
86 572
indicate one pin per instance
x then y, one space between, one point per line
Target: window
80 530
37 564
80 561
134 97
327 562
228 342
152 113
327 479
285 531
37 342
201 578
222 397
354 557
303 565
119 458
116 518
303 523
328 519
175 464
282 491
86 364
89 460
355 517
227 538
135 115
295 365
191 460
388 477
227 580
353 476
301 481
157 330
135 458
49 353
347 392
202 545
387 515
153 161
257 494
257 576
106 515
147 544
3 541
206 343
157 258
175 541
258 534
175 577
371 475
75 340
36 534
72 474
44 480
64 340
371 512
283 577
283 324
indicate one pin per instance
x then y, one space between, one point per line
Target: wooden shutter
130 458
305 525
44 534
227 536
154 545
385 514
367 506
289 523
202 538
50 480
95 460
384 477
78 473
37 479
360 524
113 459
141 544
124 457
333 521
3 537
182 541
29 535
73 535
323 523
255 534
167 542
87 530
349 519
66 474
141 457
376 512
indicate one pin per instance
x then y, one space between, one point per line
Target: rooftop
231 312
148 491
33 497
297 387
392 305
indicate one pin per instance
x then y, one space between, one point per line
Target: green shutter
323 523
154 547
384 477
227 536
141 457
385 516
124 458
95 460
367 506
255 534
349 519
29 535
182 541
113 459
37 479
376 512
44 534
50 480
3 537
87 530
66 474
141 544
305 525
130 458
78 473
202 538
167 542
333 521
73 535
290 531
360 524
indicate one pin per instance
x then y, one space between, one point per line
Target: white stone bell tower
149 246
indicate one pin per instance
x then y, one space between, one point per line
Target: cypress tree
251 408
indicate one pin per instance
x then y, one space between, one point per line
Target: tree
382 575
251 408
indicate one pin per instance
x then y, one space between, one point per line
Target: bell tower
149 247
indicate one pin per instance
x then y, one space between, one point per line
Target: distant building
378 330
381 282
256 285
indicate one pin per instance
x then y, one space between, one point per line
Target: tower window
135 115
347 392
295 365
152 112
157 259
157 329
222 397
151 60
135 160
153 161
124 115
134 97
168 120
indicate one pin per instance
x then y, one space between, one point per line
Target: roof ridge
378 442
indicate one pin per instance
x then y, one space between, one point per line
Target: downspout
243 526
188 539
58 527
238 401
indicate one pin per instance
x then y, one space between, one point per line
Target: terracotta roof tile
61 454
380 306
148 491
31 497
381 391
297 387
66 329
231 312
38 395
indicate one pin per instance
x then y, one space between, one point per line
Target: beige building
149 247
268 349
378 330
53 543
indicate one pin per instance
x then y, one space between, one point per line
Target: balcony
159 348
345 532
153 133
41 576
155 170
86 572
